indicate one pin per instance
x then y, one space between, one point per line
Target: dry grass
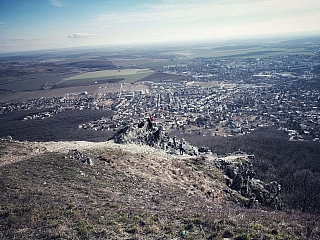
131 192
13 151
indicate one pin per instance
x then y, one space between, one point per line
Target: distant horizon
35 25
120 47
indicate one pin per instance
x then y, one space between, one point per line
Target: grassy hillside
131 192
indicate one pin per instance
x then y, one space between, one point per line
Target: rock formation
240 177
75 154
237 167
146 133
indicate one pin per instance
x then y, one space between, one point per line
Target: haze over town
49 24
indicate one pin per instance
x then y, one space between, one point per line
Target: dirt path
14 151
64 147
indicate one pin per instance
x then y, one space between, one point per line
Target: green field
128 75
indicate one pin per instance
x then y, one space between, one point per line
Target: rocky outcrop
237 167
239 173
75 154
147 133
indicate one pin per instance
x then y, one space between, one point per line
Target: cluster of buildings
217 97
247 70
50 106
6 65
226 110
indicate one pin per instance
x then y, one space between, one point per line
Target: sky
27 25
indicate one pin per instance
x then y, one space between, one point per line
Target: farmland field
238 52
27 78
126 75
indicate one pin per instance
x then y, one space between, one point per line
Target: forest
59 127
295 165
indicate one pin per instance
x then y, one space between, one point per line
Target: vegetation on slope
59 127
295 165
131 195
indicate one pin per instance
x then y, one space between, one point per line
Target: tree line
295 165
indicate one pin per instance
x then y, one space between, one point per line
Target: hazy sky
46 24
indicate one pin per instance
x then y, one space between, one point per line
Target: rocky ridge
240 184
149 139
237 167
135 191
154 135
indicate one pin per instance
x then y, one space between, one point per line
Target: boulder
75 154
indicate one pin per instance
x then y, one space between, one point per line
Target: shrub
243 236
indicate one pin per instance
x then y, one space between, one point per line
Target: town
223 97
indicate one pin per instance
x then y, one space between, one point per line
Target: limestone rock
240 177
145 133
75 154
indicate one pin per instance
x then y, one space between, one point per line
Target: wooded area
295 165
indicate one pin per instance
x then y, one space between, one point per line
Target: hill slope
129 192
